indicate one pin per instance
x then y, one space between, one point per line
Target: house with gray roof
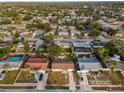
90 64
81 47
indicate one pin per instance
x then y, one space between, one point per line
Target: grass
115 78
57 78
76 79
17 87
56 87
10 77
103 76
106 88
26 77
77 87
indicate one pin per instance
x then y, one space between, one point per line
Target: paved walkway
71 81
84 85
40 84
45 79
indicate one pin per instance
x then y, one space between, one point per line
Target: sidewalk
71 81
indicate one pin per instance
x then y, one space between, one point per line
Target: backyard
57 78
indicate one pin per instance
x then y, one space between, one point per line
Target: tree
122 26
5 21
102 55
49 38
17 34
94 33
80 27
55 51
17 20
4 51
5 66
27 47
42 51
111 48
121 52
113 66
1 40
111 31
27 17
47 27
15 40
95 25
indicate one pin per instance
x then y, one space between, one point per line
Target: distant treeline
58 5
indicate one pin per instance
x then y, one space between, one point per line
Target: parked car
40 77
81 78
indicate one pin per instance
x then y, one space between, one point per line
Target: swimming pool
13 59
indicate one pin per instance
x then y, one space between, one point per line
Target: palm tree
27 47
122 83
6 66
113 66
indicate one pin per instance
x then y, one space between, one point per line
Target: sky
52 0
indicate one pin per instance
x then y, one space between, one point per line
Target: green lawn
10 77
78 87
117 78
57 78
17 87
26 77
56 87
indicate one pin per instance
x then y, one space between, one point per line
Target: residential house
62 65
37 63
91 63
81 47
